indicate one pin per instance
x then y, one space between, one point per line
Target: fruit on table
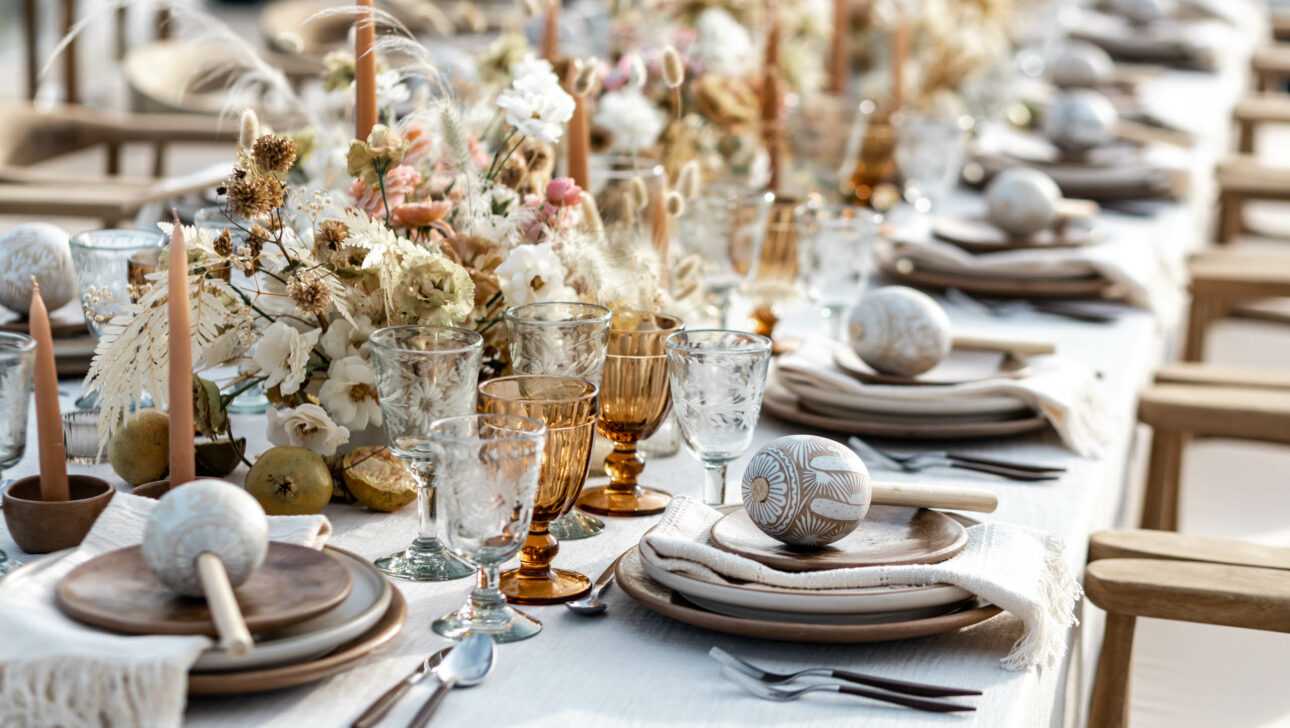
139 450
378 479
290 481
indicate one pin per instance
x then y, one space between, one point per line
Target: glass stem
486 597
714 485
834 315
426 527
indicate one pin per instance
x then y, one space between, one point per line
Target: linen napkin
1066 392
1137 270
57 671
1016 568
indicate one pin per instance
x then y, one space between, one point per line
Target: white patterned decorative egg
806 490
899 330
205 515
35 249
1144 11
1080 119
1022 201
1081 65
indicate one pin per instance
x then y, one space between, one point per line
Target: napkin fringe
1043 641
76 692
1086 430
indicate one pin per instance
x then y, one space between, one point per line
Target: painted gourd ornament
205 516
1079 120
41 250
1081 65
899 330
1022 201
806 490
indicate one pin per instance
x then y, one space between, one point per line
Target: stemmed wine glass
835 256
424 373
634 399
567 339
929 153
567 406
726 225
17 357
487 466
718 378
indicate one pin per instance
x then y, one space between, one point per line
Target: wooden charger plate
784 405
978 235
286 676
117 591
638 585
888 535
960 367
907 271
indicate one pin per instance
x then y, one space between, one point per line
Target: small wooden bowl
153 490
39 527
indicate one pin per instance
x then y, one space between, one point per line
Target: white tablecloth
632 667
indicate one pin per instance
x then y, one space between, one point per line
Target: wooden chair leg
1245 136
112 166
1203 311
159 160
1230 223
1160 506
1110 705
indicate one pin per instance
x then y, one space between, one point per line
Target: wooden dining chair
1189 400
1255 110
1242 179
1233 283
1179 577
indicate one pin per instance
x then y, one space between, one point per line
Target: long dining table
633 667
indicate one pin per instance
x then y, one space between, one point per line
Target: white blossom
533 274
390 89
306 426
283 353
631 118
349 393
347 339
535 104
724 45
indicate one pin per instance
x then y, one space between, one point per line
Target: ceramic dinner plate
368 601
960 367
908 271
830 401
978 235
636 582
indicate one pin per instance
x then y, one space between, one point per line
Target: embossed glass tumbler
424 373
835 255
567 339
486 468
634 399
17 357
567 406
718 378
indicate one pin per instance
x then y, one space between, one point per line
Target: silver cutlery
770 692
779 678
591 603
1010 307
966 457
382 705
921 461
467 665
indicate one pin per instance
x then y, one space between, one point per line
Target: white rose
533 274
349 393
535 104
306 426
283 353
631 118
345 339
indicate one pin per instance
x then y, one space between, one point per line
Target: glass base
640 501
503 624
557 586
424 560
88 401
576 525
250 402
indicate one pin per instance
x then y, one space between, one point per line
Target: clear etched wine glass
486 468
567 339
17 357
725 225
930 150
423 374
835 256
717 378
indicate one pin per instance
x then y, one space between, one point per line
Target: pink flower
399 183
563 192
420 214
419 143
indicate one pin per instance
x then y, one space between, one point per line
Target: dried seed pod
290 42
673 67
584 83
636 71
674 203
249 129
689 180
639 193
591 214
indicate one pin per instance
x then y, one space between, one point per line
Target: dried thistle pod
673 67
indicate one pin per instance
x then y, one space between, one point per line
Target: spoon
382 705
591 603
467 665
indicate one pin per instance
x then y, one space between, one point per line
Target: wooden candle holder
41 527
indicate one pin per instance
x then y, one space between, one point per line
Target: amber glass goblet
634 399
567 406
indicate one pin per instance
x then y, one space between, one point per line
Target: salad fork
779 678
768 692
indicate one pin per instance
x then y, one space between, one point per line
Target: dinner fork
921 461
1013 306
779 678
768 692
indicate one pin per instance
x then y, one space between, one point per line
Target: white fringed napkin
1018 569
56 671
1064 391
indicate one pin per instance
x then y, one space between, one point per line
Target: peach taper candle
899 52
183 461
839 61
770 99
365 114
49 418
551 32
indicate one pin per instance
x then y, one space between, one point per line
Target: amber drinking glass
566 339
567 406
634 399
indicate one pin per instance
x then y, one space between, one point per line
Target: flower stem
380 181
